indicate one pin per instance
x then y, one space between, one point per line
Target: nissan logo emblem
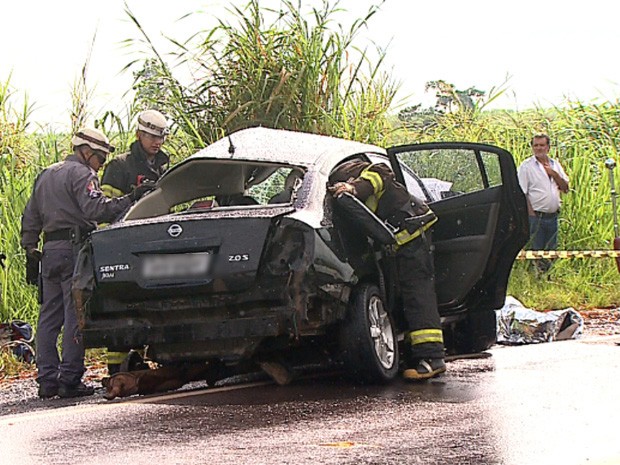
175 230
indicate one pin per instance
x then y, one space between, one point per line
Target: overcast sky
548 49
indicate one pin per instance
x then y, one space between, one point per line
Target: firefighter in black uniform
375 185
65 205
144 161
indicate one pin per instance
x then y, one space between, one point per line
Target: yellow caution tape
537 254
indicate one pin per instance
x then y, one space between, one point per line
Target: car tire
476 333
368 340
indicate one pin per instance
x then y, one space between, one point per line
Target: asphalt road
554 403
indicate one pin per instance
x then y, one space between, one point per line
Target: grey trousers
57 313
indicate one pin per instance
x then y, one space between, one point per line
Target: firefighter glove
140 191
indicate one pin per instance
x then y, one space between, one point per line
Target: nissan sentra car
241 254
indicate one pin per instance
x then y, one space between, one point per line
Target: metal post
610 164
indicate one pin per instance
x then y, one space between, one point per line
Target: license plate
175 265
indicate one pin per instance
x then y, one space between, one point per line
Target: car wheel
476 333
368 341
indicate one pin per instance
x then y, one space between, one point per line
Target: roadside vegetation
298 69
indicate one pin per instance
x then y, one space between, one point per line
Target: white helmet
94 138
153 122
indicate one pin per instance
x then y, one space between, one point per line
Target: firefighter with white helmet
65 206
145 159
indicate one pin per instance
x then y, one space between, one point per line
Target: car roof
227 165
282 146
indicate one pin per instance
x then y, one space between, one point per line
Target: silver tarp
517 324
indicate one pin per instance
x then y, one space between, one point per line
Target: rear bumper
127 334
182 339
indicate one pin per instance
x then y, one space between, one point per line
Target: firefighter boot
426 369
114 361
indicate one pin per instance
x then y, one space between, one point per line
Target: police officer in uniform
65 205
144 161
375 185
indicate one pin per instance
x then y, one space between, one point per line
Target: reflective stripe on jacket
127 170
403 236
376 186
374 178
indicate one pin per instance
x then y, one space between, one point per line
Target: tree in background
448 101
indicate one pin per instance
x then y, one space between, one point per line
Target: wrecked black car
241 255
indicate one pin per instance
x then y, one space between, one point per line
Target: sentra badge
109 271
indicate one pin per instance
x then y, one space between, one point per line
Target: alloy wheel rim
381 332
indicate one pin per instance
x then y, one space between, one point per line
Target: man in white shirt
543 180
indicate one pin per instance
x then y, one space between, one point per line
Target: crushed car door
482 213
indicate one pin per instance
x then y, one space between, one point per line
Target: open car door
482 213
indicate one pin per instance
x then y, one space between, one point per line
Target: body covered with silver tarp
517 324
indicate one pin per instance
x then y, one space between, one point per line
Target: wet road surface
555 403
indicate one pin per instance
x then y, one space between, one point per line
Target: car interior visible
215 184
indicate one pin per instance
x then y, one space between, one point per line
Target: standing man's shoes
47 391
426 369
79 390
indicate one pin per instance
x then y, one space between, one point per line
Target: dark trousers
543 236
57 313
416 275
543 232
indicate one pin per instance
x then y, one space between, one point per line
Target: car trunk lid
153 257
